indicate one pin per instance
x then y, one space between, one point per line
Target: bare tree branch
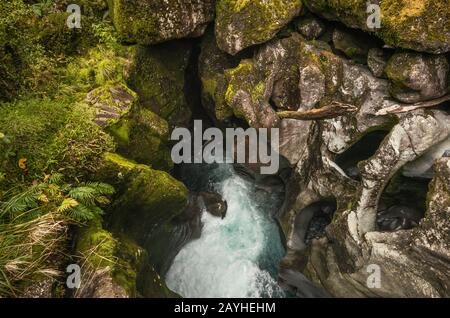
403 108
332 110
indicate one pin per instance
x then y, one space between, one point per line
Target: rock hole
311 221
402 204
360 151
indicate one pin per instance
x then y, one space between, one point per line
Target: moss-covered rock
111 103
243 23
114 265
417 77
419 25
146 197
310 27
248 95
154 21
148 140
157 76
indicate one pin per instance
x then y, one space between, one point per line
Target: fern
85 195
67 205
100 188
21 202
56 178
81 213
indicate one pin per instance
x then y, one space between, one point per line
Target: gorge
89 160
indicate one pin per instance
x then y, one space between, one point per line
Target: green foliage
19 49
53 136
77 147
80 202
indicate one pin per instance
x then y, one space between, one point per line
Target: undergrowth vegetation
50 146
34 222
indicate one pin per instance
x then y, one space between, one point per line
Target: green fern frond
67 204
57 178
21 202
100 188
85 195
81 213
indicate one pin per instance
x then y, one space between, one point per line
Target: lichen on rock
243 23
155 21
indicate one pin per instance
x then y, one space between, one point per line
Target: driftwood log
332 110
403 108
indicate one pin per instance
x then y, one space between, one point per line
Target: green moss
411 24
96 245
254 21
157 75
78 146
120 131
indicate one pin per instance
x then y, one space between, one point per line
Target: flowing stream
236 256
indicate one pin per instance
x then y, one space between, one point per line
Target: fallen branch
332 110
403 108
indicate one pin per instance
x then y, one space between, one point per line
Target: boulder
416 77
241 24
213 203
416 25
153 21
112 102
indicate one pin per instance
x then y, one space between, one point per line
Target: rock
303 220
148 140
112 102
312 86
310 27
297 283
354 45
212 65
416 25
417 77
153 21
295 138
147 198
376 61
157 75
422 167
241 24
213 203
248 95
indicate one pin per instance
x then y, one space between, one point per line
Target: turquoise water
237 256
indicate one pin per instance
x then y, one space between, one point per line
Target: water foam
236 256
